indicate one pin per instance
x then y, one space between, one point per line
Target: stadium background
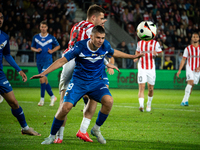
176 20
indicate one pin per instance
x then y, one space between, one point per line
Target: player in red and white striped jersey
146 70
192 54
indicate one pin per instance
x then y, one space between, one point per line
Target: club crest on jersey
1 46
101 56
94 55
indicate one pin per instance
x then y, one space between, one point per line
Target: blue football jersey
44 43
89 64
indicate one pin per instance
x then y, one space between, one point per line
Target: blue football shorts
78 88
43 67
5 86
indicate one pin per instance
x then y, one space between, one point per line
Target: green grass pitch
167 126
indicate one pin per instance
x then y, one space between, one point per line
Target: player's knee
107 101
14 104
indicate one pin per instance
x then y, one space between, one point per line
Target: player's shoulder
5 35
82 43
36 36
106 44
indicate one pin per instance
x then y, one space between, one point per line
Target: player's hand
138 56
112 67
39 50
178 73
37 76
110 71
197 69
135 60
24 77
155 53
50 51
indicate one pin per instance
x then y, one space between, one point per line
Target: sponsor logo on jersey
5 82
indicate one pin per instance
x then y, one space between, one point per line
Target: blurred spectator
35 29
197 18
122 63
187 4
137 18
190 14
146 16
129 6
49 6
115 12
179 45
19 37
13 46
178 17
169 40
26 4
181 6
151 18
27 31
31 9
158 16
23 52
181 30
59 11
71 10
18 9
57 24
168 65
36 16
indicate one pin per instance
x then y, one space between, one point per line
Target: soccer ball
146 30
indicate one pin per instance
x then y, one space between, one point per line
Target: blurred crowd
176 20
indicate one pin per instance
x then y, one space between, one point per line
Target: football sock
101 118
61 132
43 87
19 114
85 124
187 92
149 101
56 126
85 99
141 102
48 89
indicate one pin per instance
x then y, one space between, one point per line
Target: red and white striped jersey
79 31
193 56
147 47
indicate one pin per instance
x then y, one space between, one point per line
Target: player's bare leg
141 96
60 133
18 113
188 91
150 97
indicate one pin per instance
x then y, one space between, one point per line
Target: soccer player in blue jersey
87 79
42 44
5 87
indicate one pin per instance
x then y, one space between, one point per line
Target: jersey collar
43 36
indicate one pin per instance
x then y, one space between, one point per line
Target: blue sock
56 126
101 118
19 114
48 88
43 87
85 99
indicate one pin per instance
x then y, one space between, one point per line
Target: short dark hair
44 22
94 10
99 29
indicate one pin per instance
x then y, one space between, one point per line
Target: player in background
87 79
42 44
146 70
192 54
80 31
5 87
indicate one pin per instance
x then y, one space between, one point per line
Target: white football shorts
192 75
66 74
146 76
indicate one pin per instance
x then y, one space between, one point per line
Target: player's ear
93 17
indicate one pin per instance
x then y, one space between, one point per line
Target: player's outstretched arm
57 64
36 50
110 70
120 54
181 66
24 77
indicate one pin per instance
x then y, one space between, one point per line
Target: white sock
52 97
42 99
25 128
149 101
187 93
141 102
60 133
96 127
53 136
85 124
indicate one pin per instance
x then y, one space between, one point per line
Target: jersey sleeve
158 48
73 52
185 53
55 41
109 49
89 31
33 44
6 49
